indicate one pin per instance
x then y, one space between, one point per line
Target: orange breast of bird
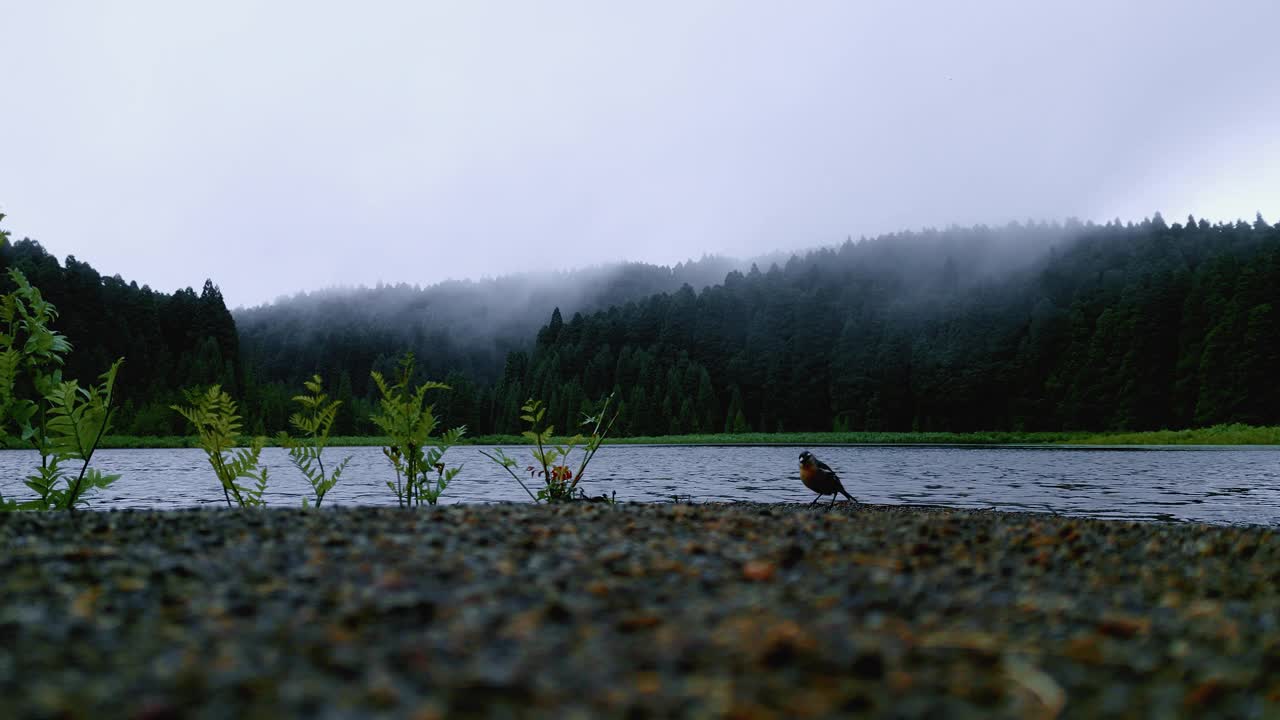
814 479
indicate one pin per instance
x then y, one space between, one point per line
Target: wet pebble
634 610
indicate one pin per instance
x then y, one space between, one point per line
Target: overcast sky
280 146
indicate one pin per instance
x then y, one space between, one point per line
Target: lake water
1217 485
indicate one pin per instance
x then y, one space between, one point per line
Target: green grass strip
1236 434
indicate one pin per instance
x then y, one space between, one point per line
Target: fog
489 315
291 146
470 327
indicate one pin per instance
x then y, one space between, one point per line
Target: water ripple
1233 485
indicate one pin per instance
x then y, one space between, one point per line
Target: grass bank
190 441
1217 435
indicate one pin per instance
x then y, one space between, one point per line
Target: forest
169 341
1028 327
459 330
1113 327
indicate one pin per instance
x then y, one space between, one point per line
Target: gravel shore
737 610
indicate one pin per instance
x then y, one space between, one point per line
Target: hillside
1024 327
460 329
1114 327
169 341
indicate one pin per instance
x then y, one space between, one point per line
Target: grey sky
279 146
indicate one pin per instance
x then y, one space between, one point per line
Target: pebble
634 610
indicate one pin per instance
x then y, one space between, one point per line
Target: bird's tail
846 494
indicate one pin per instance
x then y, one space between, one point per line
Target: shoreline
1216 436
686 610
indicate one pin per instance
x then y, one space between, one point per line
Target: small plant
559 481
75 421
406 418
213 413
315 421
62 421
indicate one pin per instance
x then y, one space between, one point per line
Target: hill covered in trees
169 341
1026 327
1022 327
459 330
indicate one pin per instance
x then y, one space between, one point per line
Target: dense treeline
1112 327
458 331
169 342
1027 327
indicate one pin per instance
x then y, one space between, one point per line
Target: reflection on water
1219 485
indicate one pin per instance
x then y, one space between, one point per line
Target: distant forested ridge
169 341
1025 327
459 331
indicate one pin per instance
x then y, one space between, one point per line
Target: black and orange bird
821 479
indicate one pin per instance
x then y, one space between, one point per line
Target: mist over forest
1026 326
466 326
1117 327
471 326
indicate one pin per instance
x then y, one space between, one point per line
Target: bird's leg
834 497
816 499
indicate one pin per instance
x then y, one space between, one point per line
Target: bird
821 479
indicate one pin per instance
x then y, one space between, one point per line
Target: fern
61 420
431 491
73 422
213 414
559 481
77 420
315 421
408 421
